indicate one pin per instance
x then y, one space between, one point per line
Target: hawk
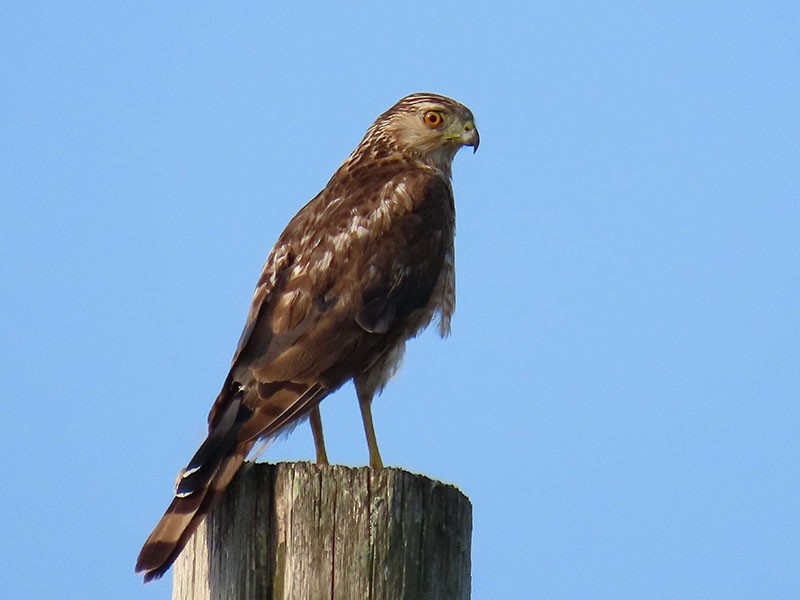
364 266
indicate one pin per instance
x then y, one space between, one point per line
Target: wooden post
298 531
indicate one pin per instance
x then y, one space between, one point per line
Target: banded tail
234 429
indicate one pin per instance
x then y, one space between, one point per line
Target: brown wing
351 275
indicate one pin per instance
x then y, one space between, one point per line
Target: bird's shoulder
356 212
366 194
349 240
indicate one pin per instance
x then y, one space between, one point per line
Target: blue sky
619 397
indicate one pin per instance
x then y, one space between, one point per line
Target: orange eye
432 119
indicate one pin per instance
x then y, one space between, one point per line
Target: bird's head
428 126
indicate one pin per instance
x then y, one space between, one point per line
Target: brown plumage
360 269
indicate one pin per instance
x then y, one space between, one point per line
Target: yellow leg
319 440
365 403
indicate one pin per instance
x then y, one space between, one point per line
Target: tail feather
205 477
221 439
234 430
183 517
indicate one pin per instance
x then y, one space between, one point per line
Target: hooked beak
471 137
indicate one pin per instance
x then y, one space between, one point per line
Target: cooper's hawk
359 270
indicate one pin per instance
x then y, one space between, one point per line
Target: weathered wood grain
297 531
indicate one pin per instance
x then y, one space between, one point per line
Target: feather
361 268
